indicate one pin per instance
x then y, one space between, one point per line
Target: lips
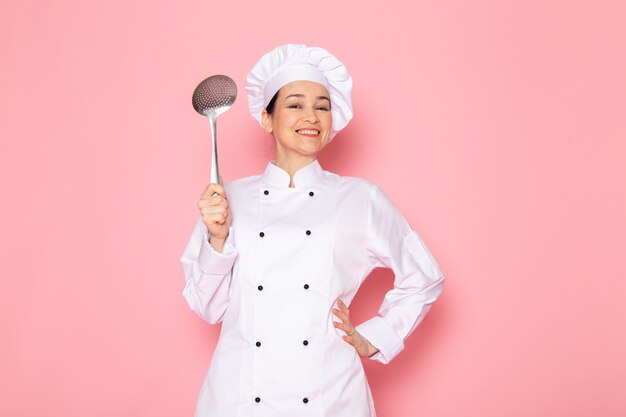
308 132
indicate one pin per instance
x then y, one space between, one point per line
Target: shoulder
356 186
238 186
369 193
239 183
361 192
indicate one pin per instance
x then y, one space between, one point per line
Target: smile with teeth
308 132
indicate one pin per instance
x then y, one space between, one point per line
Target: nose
311 116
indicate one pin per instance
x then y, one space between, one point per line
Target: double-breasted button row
262 234
304 342
260 287
304 400
266 192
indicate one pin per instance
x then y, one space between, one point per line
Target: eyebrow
302 95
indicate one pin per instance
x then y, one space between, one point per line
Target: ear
266 120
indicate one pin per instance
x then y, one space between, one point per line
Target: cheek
286 122
328 118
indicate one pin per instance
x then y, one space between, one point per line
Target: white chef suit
291 253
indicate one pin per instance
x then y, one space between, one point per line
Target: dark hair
270 105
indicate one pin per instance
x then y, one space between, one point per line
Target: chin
309 152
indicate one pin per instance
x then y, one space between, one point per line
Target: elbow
439 285
210 311
214 314
434 290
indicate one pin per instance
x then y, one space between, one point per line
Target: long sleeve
208 273
418 281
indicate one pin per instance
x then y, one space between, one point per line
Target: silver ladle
212 97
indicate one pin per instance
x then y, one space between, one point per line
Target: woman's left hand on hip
363 347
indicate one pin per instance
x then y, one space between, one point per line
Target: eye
294 106
323 108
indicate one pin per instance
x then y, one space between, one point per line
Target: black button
258 344
306 342
311 193
306 286
260 287
266 192
305 400
308 232
257 399
261 234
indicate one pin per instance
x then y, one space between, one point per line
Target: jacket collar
311 174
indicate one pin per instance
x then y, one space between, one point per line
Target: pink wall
498 128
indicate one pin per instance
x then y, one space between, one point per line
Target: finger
212 219
214 210
215 200
216 189
347 328
341 315
213 188
343 307
212 215
349 340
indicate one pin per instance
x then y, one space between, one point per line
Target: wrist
371 349
217 243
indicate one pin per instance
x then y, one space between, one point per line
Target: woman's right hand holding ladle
216 214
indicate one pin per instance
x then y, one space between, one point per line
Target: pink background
497 128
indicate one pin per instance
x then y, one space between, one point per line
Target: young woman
277 257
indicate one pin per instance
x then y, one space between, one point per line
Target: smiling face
301 119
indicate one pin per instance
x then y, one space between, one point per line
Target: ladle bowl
212 97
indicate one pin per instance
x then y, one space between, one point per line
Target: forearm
217 243
208 264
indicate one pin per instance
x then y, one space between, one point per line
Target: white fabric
290 74
354 228
293 62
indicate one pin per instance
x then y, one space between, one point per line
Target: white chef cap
298 62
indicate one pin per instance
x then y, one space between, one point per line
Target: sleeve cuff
211 261
383 337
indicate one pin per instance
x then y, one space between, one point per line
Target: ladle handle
214 168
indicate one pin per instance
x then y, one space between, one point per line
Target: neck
291 164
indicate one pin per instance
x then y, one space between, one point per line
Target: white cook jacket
291 253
